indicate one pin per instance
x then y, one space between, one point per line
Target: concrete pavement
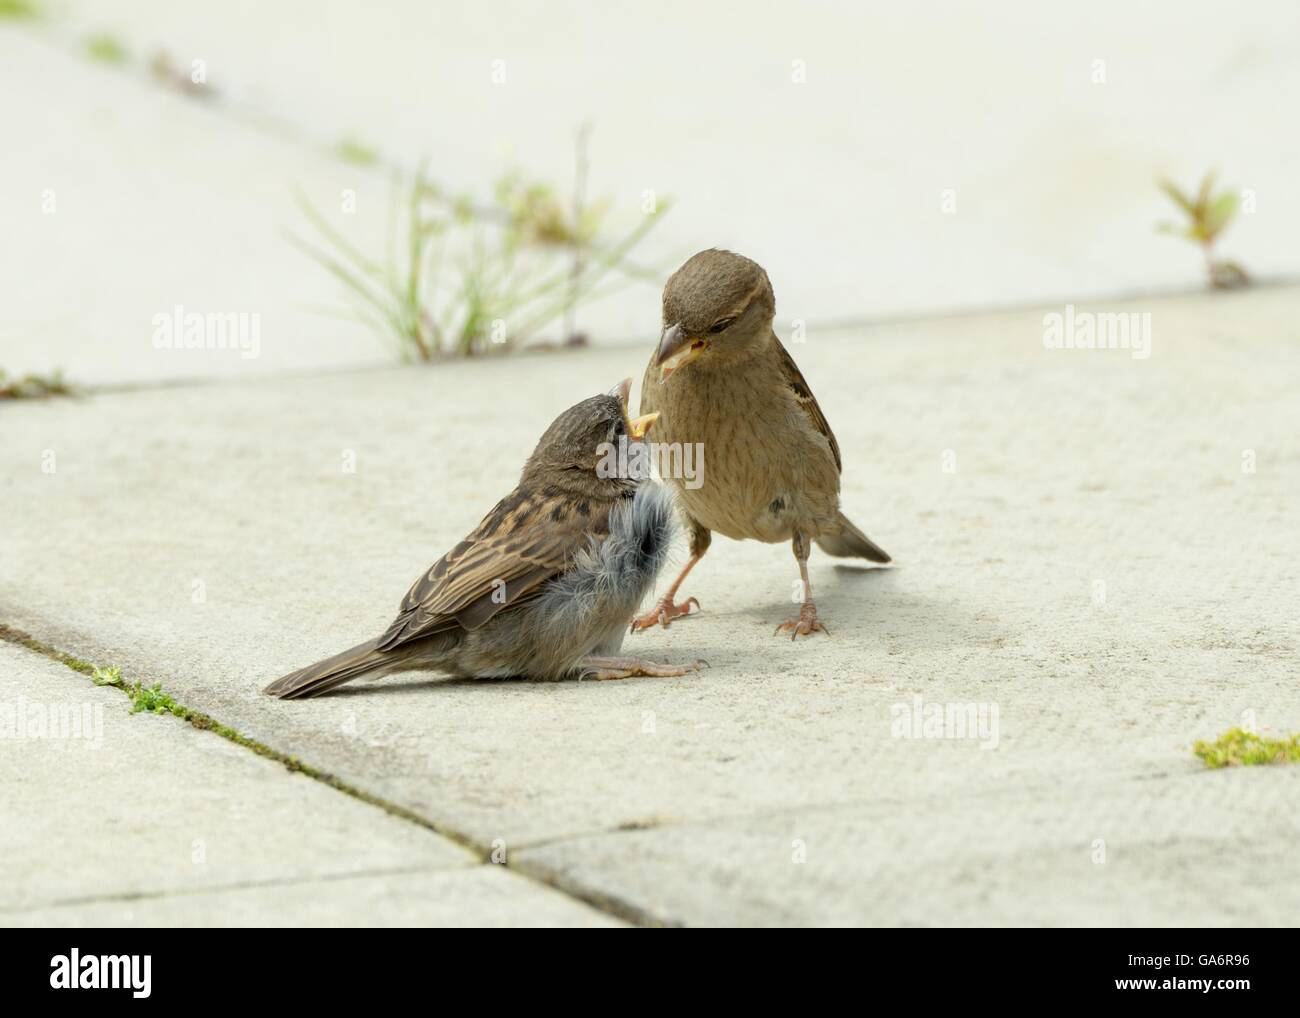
114 819
1092 565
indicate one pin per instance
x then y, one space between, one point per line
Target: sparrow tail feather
330 673
851 542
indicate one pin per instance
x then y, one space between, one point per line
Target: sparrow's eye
720 326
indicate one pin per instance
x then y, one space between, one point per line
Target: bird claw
663 614
805 625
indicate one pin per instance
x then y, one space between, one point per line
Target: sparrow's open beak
676 349
636 426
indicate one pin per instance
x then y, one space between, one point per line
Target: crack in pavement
239 885
615 908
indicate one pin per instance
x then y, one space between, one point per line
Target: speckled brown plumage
544 586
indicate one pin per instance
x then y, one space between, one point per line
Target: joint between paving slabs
158 702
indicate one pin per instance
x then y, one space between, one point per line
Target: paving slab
478 896
1078 539
111 804
1159 850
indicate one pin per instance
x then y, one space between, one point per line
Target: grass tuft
1239 748
463 279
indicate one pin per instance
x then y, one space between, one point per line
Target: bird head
577 450
717 307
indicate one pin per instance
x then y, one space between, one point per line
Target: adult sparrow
720 377
545 585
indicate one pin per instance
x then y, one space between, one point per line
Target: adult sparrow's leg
807 622
665 610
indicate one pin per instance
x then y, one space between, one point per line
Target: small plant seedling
1208 215
111 676
1239 748
144 699
153 700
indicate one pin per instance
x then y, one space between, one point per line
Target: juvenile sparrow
545 585
720 377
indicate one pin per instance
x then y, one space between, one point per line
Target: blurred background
880 160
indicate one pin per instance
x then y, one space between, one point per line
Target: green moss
1238 748
106 48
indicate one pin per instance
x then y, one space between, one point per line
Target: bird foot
628 667
806 624
663 613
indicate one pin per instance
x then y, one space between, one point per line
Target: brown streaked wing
794 378
524 541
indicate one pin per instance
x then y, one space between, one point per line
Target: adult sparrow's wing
524 541
849 542
793 378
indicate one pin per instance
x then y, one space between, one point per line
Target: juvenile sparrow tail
851 542
330 673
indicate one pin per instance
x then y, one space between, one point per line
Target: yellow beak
638 426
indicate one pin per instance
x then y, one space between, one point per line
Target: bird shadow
870 605
864 604
413 683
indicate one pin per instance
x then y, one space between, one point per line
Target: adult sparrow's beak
636 426
677 349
